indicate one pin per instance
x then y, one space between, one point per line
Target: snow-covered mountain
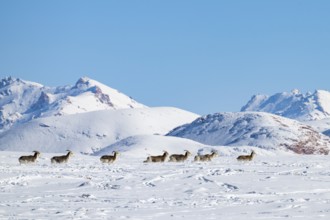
91 117
259 129
294 105
92 131
21 101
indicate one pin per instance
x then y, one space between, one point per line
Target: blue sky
202 56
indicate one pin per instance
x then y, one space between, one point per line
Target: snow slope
22 101
92 131
321 125
143 145
294 105
259 129
269 187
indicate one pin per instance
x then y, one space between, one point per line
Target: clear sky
203 56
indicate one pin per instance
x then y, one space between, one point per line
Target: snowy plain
272 186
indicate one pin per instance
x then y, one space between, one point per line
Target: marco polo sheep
179 157
206 157
29 158
160 158
62 159
246 157
109 158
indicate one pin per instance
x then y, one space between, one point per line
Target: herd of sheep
152 159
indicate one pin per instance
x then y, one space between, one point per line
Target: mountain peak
9 80
84 82
295 91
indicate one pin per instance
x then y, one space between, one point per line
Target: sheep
206 157
179 157
62 159
246 157
109 158
160 158
29 158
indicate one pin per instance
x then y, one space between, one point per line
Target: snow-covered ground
273 186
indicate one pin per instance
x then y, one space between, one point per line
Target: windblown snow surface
272 186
